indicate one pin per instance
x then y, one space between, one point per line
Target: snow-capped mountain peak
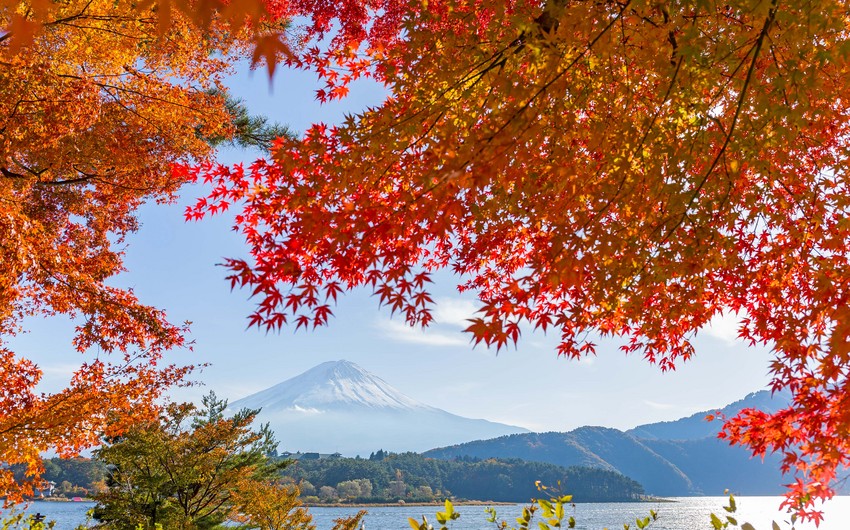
331 385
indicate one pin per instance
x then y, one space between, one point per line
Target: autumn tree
271 505
187 469
97 101
626 168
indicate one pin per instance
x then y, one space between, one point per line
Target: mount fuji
338 407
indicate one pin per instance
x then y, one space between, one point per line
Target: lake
686 513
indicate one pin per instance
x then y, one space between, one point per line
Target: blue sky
172 265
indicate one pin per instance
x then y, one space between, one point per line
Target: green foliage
552 512
75 477
380 455
727 522
184 470
249 131
22 521
442 517
448 515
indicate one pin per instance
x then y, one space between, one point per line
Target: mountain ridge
694 427
671 461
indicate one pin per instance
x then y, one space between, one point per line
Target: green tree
348 489
327 493
184 470
365 487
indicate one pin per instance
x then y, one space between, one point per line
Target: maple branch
56 22
32 171
740 104
755 50
73 397
84 178
71 17
14 112
541 90
440 95
66 182
104 29
730 78
477 71
656 114
569 67
11 174
135 312
143 95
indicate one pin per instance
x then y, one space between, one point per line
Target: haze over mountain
694 427
338 407
676 458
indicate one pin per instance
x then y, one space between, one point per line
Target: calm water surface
687 513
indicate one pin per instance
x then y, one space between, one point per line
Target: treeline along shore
388 478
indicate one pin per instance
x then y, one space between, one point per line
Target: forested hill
597 447
412 477
676 458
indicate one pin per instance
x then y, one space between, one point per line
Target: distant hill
694 427
713 466
677 458
600 447
338 407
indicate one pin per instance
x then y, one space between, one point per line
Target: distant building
308 456
47 490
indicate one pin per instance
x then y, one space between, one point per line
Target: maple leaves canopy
627 168
96 103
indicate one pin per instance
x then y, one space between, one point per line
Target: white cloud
65 370
304 410
588 360
402 332
454 311
55 376
723 327
658 406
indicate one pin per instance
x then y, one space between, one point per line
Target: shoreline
60 499
437 504
467 503
383 504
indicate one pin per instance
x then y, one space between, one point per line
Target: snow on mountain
331 385
340 407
